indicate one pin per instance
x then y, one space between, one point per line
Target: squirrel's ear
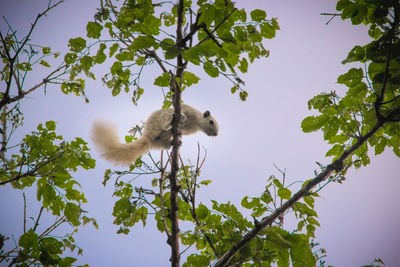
206 114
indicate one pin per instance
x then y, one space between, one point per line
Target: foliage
215 229
42 160
372 98
222 39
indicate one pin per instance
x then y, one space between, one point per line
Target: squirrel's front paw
183 118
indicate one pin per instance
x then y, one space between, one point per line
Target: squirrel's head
209 124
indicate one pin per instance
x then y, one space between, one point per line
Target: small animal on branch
157 134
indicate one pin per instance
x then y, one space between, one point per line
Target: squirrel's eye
211 122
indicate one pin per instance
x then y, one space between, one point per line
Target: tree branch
34 170
337 166
176 132
11 59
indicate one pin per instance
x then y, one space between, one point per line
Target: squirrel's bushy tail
105 137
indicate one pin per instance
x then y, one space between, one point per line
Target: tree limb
176 132
34 170
337 166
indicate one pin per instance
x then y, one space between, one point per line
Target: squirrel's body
157 134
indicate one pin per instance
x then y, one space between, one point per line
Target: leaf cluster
372 98
217 36
218 227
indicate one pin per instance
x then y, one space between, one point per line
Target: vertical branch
176 89
3 132
161 189
23 194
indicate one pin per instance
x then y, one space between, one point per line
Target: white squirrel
157 134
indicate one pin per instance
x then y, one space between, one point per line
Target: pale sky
359 218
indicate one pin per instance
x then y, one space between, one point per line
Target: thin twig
38 218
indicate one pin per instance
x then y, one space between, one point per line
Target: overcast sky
360 218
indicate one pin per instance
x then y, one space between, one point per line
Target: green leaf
210 69
267 30
205 182
243 95
163 80
167 43
50 125
275 240
258 15
243 65
202 212
46 50
309 200
73 213
283 258
313 221
93 30
113 49
380 146
70 58
51 245
77 44
277 183
44 63
312 123
351 78
100 56
197 261
331 128
189 78
29 240
152 25
207 14
356 54
116 68
172 52
142 42
86 62
335 150
284 193
300 252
